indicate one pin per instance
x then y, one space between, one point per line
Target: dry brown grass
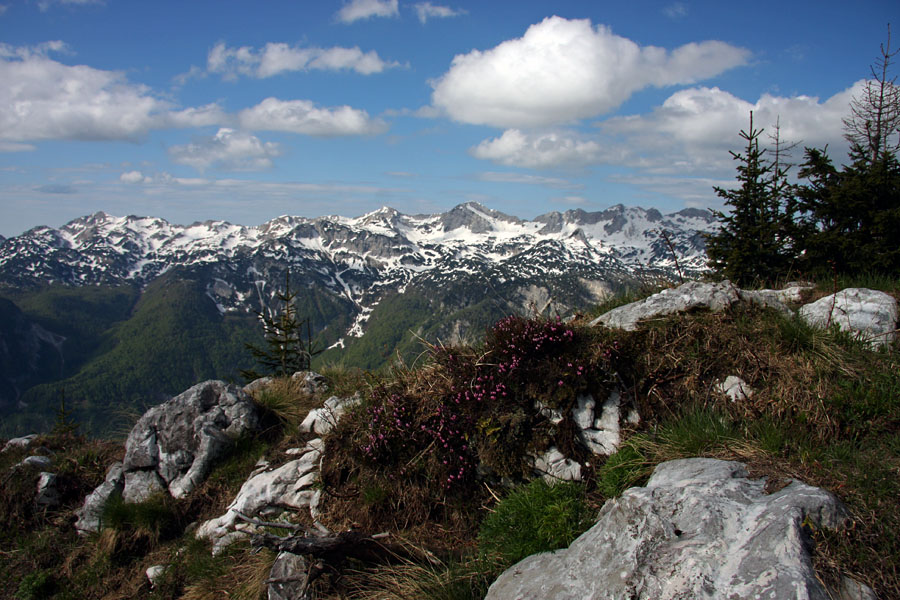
243 578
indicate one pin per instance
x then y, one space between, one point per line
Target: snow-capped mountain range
362 259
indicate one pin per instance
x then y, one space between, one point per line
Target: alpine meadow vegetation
439 455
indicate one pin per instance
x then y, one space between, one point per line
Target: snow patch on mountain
361 259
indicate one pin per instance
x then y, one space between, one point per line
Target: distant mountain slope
174 336
372 286
28 354
360 259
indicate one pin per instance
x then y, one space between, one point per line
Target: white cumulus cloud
427 10
43 99
356 10
304 117
132 177
517 148
228 149
563 70
694 128
690 133
275 58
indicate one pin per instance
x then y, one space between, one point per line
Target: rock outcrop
699 529
267 493
869 315
688 296
19 442
91 512
322 420
174 445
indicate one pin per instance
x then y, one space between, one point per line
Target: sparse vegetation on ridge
826 411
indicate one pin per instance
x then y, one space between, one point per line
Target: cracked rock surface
699 529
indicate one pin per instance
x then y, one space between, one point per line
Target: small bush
36 586
155 517
536 517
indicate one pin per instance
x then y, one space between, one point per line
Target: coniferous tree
851 216
286 350
753 244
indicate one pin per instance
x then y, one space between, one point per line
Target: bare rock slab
688 296
699 529
268 491
868 314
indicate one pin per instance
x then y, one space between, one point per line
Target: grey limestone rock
267 492
19 442
176 443
155 573
313 383
600 428
257 384
870 315
92 510
735 388
285 577
47 492
322 420
36 460
854 590
699 529
688 296
554 466
141 485
777 299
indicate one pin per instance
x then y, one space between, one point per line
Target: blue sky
244 111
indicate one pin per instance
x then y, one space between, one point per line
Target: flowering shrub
482 406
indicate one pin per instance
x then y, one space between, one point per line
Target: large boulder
699 529
869 315
174 445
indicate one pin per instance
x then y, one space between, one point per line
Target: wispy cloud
276 58
427 10
228 149
524 178
356 10
676 10
46 5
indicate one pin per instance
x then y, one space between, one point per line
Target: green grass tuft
536 517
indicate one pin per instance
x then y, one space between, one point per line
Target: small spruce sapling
287 350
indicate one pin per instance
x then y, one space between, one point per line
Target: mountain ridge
385 244
371 287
